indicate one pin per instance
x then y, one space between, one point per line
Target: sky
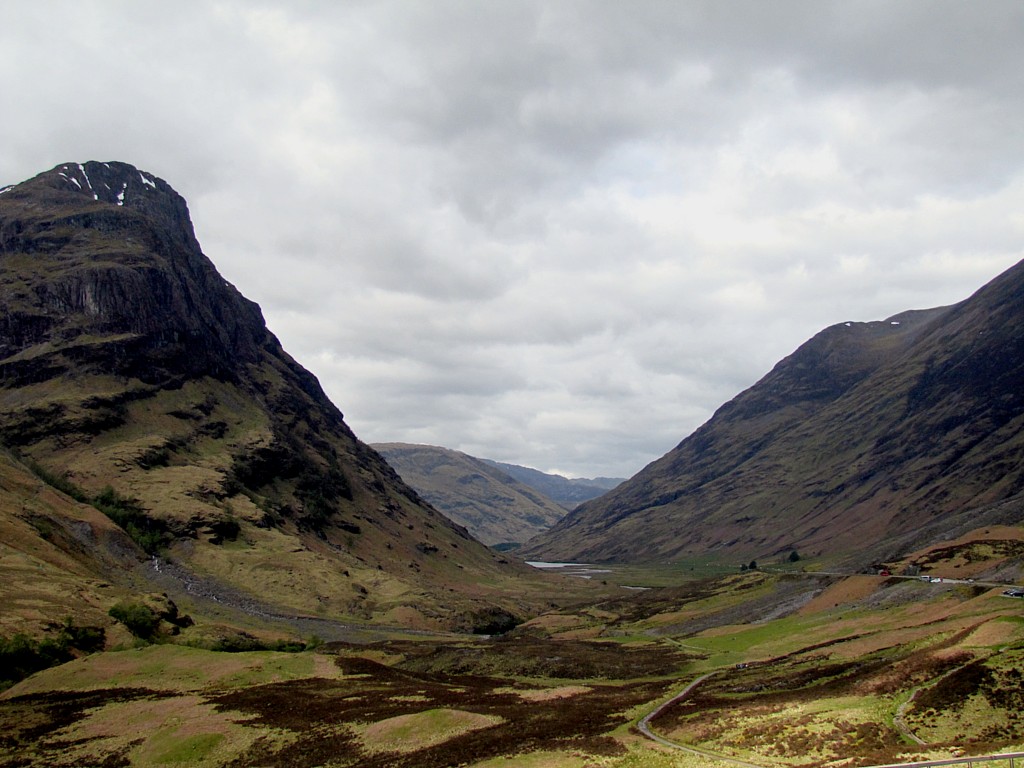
559 233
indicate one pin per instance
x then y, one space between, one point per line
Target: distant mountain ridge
569 492
492 504
869 440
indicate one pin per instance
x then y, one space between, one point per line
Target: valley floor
808 670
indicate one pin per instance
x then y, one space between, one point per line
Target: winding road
644 726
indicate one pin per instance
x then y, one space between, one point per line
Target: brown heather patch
916 669
373 716
993 633
880 641
811 710
973 553
524 657
34 728
979 703
802 727
322 715
849 590
924 621
162 723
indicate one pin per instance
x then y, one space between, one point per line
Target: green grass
670 574
648 757
170 749
772 637
172 667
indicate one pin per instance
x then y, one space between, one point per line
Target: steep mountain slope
568 492
56 556
131 370
868 441
493 506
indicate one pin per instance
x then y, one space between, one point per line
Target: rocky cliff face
129 365
870 440
105 249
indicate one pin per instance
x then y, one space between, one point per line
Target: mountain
870 440
492 505
134 379
565 491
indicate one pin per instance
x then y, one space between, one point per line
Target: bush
21 656
319 490
148 533
137 618
243 642
493 621
87 639
60 482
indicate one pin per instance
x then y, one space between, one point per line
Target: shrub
21 656
320 490
243 642
60 482
137 618
87 639
493 621
148 533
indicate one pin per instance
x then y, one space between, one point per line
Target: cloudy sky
555 233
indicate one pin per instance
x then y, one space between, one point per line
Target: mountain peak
104 248
114 182
93 187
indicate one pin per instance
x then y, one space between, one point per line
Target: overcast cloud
560 233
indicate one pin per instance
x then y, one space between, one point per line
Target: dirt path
644 726
901 724
898 719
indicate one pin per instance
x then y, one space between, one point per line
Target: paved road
922 578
